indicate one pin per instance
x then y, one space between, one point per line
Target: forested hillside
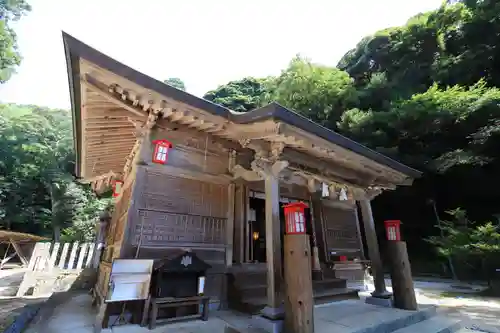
38 192
427 94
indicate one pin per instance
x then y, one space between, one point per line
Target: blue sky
204 42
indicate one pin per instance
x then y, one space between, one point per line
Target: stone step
259 277
255 304
329 283
253 291
242 279
232 329
259 290
333 295
436 324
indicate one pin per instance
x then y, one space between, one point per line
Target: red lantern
392 230
160 152
295 218
117 187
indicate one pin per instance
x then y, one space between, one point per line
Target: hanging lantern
117 187
295 218
392 230
160 152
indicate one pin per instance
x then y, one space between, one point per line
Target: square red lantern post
160 151
299 310
392 230
117 187
295 218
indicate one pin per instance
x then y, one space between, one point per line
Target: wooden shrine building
199 176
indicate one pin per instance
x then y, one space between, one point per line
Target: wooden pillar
299 303
247 231
240 213
273 310
373 250
316 267
230 225
319 222
402 281
358 230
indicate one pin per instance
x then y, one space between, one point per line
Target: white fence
63 256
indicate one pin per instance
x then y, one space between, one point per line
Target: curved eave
278 112
73 70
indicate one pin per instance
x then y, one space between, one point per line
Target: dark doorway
258 229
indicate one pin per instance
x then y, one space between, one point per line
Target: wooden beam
110 97
113 144
324 167
186 173
168 125
114 152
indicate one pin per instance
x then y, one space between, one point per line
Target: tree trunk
56 228
57 233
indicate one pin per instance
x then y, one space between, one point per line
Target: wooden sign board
129 280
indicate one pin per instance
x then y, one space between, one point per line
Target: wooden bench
169 302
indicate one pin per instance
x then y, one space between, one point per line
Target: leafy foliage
318 92
425 93
9 56
434 130
38 193
176 83
243 95
468 240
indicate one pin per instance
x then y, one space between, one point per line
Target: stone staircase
247 290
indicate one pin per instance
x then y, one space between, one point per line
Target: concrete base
386 302
273 313
383 294
268 325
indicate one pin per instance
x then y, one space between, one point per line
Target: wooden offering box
177 290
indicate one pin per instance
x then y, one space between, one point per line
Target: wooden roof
109 99
19 237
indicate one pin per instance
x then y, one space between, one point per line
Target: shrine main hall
191 175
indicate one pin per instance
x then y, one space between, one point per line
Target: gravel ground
478 313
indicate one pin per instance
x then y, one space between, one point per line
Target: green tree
470 241
38 192
434 130
242 95
319 93
10 10
176 83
